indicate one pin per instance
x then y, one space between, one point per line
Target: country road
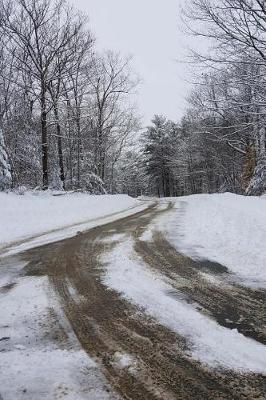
140 355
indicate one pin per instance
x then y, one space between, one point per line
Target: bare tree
236 30
111 81
70 70
43 33
68 112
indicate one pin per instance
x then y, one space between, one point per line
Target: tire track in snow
109 327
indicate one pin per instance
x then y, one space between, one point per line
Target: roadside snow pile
36 213
209 342
226 228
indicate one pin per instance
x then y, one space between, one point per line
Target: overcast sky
148 30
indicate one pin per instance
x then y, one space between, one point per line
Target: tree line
65 112
66 119
220 144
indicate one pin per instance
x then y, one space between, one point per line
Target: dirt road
107 325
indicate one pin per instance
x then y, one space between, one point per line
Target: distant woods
66 119
65 112
220 143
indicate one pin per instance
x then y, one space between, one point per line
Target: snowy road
154 323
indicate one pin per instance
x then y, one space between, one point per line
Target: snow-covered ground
225 228
209 342
228 229
33 363
37 213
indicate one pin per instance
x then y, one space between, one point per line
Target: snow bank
226 228
36 213
209 342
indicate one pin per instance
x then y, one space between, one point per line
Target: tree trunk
59 147
249 166
70 144
101 154
262 142
102 166
44 142
79 151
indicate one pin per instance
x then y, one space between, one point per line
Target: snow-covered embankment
56 217
225 228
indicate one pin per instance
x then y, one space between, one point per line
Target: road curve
107 325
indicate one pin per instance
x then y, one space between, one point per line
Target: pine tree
158 145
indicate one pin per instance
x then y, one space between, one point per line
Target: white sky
150 31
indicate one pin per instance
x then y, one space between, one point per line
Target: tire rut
107 325
231 305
